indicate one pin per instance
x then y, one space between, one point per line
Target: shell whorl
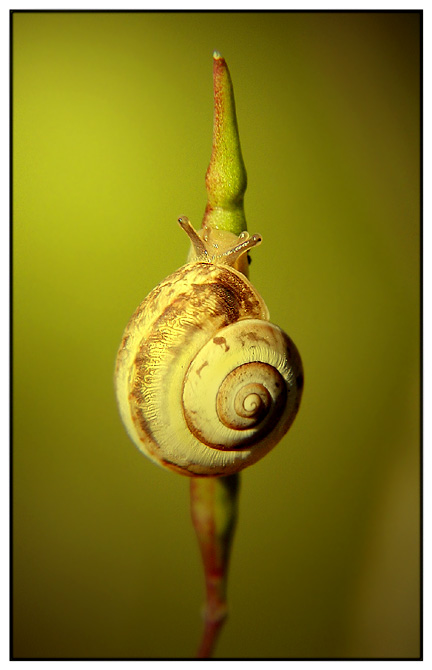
205 384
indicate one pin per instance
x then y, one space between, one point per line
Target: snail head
211 245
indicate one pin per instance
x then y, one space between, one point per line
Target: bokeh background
112 123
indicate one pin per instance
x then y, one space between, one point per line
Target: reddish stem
214 514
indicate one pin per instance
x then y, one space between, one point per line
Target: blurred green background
112 124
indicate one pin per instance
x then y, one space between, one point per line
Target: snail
205 384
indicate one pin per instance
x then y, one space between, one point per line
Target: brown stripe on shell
251 305
201 368
146 435
194 470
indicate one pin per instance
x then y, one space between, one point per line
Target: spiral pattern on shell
206 385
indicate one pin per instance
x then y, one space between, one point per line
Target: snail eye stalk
198 243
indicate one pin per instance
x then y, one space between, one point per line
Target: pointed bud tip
217 55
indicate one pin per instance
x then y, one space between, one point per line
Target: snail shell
205 384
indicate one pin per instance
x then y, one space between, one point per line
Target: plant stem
214 513
226 178
214 500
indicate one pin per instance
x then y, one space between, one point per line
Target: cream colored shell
205 384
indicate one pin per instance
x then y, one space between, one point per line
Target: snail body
205 384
